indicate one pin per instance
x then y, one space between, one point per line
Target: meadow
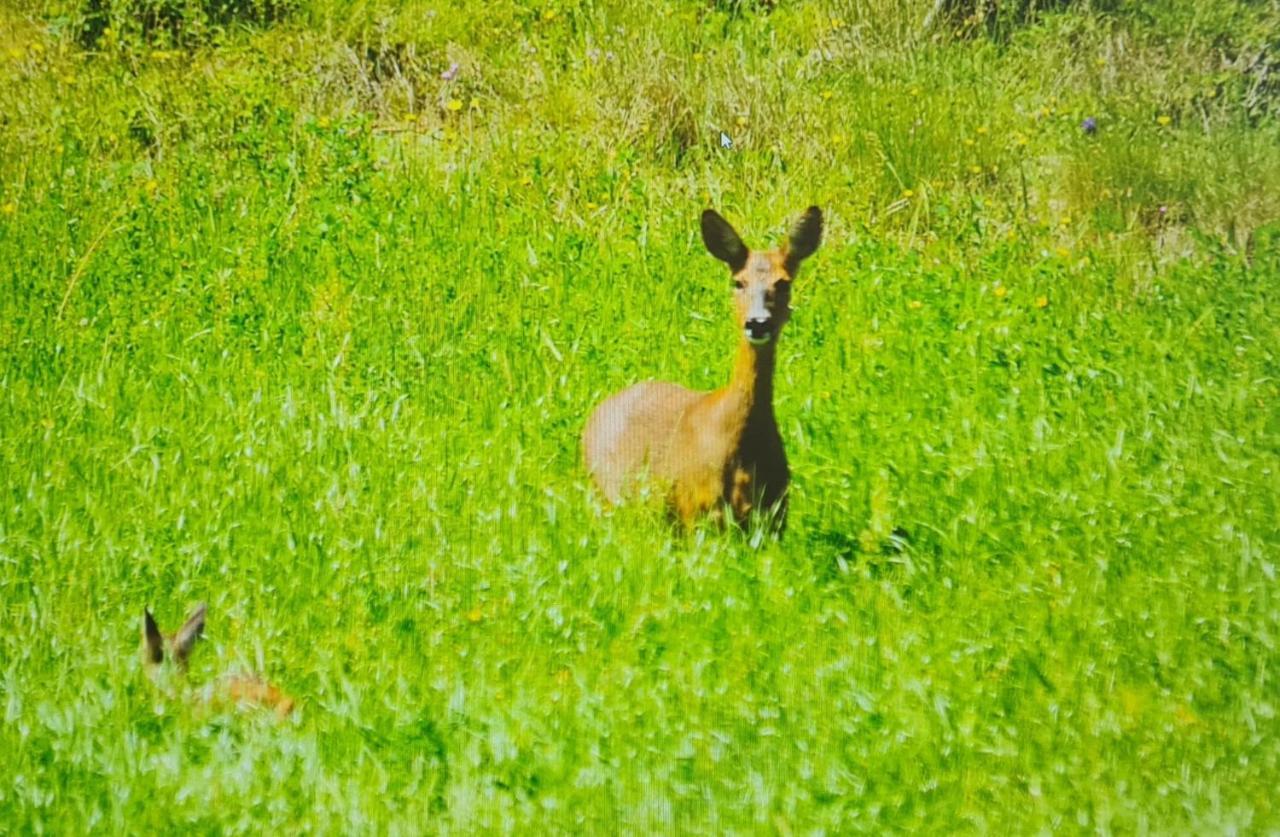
302 309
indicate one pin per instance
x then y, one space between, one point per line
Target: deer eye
737 283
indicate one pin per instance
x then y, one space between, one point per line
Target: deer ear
722 241
185 639
152 641
805 237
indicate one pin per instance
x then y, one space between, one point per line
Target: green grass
290 324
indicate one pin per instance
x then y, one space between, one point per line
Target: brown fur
239 690
705 450
243 690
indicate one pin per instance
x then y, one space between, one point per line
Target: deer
163 654
711 451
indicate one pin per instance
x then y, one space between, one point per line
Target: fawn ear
185 639
805 237
722 241
153 642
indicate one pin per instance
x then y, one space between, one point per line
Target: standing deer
708 449
159 651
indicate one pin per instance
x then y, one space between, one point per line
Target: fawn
241 690
708 449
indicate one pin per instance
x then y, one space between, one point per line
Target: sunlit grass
305 322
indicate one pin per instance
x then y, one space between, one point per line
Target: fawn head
762 280
164 656
160 649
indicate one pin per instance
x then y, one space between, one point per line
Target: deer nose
757 329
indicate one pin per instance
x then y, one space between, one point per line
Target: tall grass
303 322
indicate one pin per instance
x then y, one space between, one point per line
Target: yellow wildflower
1163 120
1000 291
1042 301
827 94
975 169
454 105
915 305
474 615
10 208
908 194
982 130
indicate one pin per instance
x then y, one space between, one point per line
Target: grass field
303 318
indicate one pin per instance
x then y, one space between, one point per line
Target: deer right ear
805 237
722 241
185 639
152 641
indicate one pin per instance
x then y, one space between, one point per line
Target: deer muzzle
758 331
758 327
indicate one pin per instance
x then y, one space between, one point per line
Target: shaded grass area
295 325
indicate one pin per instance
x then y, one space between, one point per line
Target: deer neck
751 386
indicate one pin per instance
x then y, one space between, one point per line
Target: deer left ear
805 237
722 241
152 641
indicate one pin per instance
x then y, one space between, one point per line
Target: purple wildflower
1089 125
451 73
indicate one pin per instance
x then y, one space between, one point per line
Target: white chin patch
756 341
